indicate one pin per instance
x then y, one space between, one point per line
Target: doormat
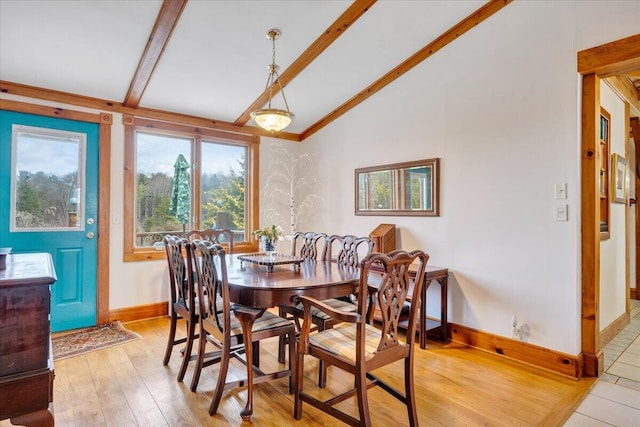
90 339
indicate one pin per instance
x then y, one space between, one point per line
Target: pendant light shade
273 119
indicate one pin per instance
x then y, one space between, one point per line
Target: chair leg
410 392
186 357
256 353
172 338
363 403
281 339
322 374
322 367
222 378
202 343
291 338
298 383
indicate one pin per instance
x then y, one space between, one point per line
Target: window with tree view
47 183
186 181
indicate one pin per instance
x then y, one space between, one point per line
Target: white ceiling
214 65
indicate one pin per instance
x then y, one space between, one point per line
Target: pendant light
273 119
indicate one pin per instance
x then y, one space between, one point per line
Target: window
220 175
47 179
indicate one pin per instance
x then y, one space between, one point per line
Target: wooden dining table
254 288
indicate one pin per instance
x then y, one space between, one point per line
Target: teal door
49 187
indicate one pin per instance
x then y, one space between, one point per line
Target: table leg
443 308
423 314
247 319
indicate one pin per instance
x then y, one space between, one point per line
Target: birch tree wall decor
290 188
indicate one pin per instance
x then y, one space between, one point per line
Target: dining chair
222 327
223 236
307 245
356 345
347 250
183 303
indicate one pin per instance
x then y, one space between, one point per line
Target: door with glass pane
48 178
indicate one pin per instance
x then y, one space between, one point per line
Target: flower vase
269 247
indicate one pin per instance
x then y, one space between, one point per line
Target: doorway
616 58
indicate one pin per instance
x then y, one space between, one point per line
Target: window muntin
47 179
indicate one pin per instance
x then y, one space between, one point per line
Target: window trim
133 124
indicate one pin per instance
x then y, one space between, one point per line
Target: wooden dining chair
183 305
223 236
221 327
345 251
307 245
356 345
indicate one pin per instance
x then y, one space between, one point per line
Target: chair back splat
347 250
356 345
223 236
308 245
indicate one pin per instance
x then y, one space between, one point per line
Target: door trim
613 58
104 120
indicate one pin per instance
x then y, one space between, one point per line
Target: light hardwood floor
126 385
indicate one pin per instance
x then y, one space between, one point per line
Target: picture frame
399 189
618 179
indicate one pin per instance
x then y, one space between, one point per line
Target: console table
26 359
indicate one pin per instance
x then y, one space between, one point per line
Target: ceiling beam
101 104
331 34
618 57
484 12
165 23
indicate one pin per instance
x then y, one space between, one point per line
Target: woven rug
90 339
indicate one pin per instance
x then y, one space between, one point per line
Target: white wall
500 107
612 251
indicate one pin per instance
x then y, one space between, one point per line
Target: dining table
255 285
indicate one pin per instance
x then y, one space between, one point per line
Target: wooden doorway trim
613 58
104 120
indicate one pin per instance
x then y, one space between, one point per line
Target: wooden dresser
26 360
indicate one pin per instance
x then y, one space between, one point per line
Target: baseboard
521 351
610 332
634 293
129 314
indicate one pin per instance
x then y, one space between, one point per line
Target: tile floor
614 400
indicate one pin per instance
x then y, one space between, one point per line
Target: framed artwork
619 179
400 189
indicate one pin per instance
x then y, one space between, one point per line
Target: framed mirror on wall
400 189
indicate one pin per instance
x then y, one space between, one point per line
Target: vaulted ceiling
207 60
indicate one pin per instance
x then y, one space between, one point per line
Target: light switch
561 213
560 191
115 219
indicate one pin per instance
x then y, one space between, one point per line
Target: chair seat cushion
266 321
336 304
341 340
